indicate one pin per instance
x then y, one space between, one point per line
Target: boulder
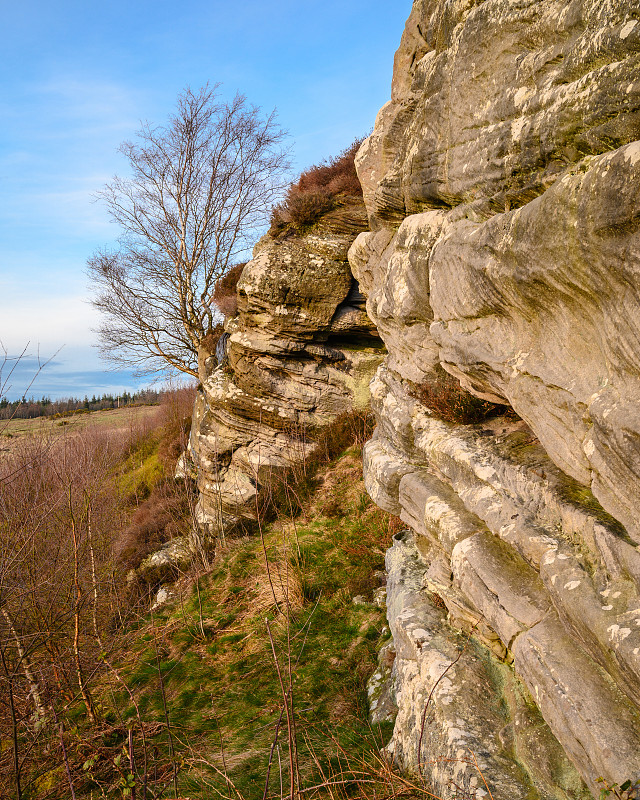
300 352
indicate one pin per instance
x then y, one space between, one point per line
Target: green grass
141 472
212 654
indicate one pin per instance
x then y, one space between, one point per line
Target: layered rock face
300 351
503 193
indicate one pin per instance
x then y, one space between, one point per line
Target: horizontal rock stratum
502 185
300 351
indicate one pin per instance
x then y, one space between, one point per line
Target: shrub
443 395
224 292
306 208
335 176
160 518
317 190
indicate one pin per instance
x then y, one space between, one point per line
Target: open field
11 431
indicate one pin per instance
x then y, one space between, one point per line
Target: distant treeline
30 408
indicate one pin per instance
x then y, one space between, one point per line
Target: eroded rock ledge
526 561
300 351
503 193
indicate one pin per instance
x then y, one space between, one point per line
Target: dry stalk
426 705
165 708
60 725
86 697
289 712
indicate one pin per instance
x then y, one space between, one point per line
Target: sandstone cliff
300 351
502 187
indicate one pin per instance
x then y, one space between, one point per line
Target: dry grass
120 420
276 589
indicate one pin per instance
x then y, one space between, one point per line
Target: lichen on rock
502 189
300 351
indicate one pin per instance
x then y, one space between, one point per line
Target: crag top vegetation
319 189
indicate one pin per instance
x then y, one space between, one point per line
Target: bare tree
200 188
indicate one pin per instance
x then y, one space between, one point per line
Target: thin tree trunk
94 610
76 633
26 666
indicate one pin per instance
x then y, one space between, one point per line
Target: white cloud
48 323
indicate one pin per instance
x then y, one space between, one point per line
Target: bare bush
318 191
174 422
163 516
60 589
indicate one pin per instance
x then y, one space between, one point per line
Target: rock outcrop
300 352
503 193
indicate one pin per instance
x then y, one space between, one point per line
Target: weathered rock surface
474 721
300 351
502 187
547 582
535 107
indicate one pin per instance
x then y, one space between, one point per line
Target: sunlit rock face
300 351
502 187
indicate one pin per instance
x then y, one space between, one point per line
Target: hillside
206 683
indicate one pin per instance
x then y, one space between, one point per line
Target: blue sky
76 79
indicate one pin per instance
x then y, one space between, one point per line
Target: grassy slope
212 649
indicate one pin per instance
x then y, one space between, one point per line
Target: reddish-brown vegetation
318 190
163 516
444 396
62 508
224 292
335 176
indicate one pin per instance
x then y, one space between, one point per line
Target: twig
290 674
426 705
475 761
64 752
285 699
132 763
271 752
200 607
165 708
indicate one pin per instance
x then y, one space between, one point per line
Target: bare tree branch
200 189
